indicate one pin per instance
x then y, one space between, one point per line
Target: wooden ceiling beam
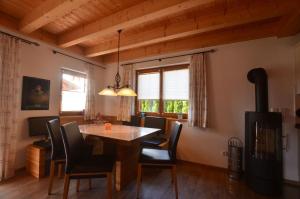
230 35
11 24
47 12
258 10
290 25
132 16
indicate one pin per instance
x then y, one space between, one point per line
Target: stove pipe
259 77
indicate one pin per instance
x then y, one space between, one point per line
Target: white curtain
126 103
90 103
198 91
9 95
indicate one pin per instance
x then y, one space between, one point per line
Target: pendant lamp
117 89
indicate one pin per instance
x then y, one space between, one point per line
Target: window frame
160 70
69 113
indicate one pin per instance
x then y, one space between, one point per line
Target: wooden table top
117 132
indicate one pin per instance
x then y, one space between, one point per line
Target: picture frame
35 93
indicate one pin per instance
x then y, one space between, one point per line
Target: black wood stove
263 140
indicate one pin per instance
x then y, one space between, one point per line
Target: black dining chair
58 152
80 163
160 136
135 120
58 157
161 158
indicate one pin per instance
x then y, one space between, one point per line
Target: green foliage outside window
149 105
170 106
176 106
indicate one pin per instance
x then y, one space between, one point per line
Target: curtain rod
20 38
56 52
159 59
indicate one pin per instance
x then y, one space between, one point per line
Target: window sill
170 117
72 118
175 119
71 113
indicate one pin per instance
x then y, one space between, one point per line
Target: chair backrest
75 147
54 131
175 134
135 120
156 122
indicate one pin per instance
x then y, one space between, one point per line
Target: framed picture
35 93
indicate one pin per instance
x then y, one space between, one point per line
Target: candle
107 126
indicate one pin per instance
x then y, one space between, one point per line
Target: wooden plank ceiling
151 27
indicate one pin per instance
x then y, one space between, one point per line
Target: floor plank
194 182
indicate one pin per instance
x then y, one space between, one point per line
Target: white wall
42 63
297 97
230 95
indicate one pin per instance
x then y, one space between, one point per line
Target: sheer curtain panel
9 95
90 103
126 103
198 91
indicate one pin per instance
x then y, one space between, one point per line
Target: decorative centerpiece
107 126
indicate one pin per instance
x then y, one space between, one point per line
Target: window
176 91
73 94
148 90
163 91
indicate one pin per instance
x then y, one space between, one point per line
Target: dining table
123 142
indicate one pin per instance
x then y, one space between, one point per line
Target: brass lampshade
108 92
126 91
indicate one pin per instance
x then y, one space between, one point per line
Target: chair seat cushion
94 164
154 141
155 156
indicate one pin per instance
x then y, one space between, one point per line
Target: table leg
118 176
126 162
126 165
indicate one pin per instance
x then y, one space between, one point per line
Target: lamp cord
118 77
119 31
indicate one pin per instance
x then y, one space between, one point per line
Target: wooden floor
194 182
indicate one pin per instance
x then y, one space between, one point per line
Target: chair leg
174 177
77 185
139 178
109 185
52 169
59 175
66 186
90 183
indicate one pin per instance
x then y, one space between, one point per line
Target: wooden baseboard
202 165
20 169
292 183
288 182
